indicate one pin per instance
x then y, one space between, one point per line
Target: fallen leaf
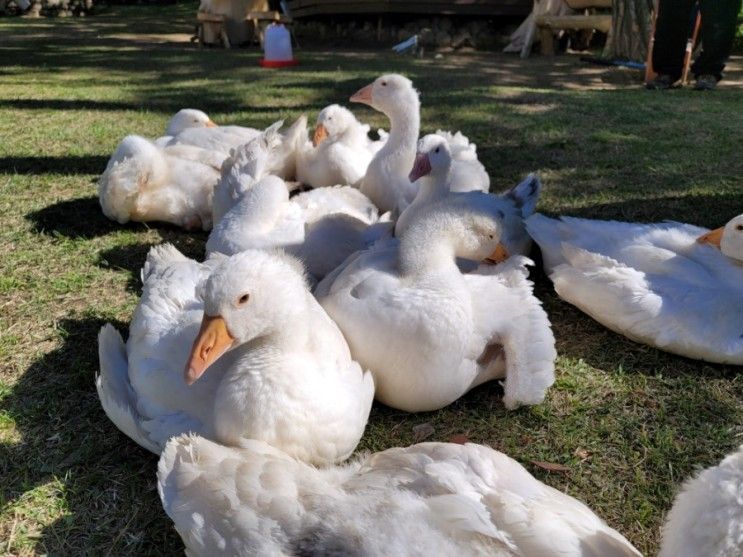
422 431
550 466
459 439
582 454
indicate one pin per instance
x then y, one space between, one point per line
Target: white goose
267 362
246 165
707 515
321 227
659 284
193 127
386 181
340 150
427 499
429 333
143 182
433 171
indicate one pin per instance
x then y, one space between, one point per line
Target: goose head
432 158
250 295
729 238
188 118
333 121
390 93
444 232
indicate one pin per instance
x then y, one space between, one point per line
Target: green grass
629 421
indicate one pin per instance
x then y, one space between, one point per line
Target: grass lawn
628 421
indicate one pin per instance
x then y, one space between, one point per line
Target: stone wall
433 32
54 8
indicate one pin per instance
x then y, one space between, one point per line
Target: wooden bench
260 20
209 28
548 24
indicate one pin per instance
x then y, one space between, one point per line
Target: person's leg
671 32
719 19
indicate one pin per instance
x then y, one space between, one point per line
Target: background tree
631 25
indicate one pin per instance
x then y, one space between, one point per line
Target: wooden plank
598 22
583 4
211 18
305 8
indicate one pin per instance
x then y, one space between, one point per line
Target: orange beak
320 135
499 255
713 237
363 95
211 124
212 342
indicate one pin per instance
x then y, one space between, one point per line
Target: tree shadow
67 104
68 164
69 446
703 210
131 257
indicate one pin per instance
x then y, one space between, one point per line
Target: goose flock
398 277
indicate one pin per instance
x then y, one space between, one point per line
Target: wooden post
649 71
690 47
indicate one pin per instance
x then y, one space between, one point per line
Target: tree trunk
630 29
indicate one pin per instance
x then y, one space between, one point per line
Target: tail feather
297 131
114 391
526 194
158 258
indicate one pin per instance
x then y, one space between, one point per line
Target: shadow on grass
68 446
75 218
68 164
131 257
83 218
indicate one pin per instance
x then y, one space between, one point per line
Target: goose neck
424 250
404 127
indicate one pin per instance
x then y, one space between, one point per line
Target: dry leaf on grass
550 466
423 431
459 438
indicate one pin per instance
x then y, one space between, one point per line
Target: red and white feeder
277 47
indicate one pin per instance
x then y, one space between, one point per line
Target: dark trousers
674 26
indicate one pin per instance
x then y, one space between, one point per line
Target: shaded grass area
630 422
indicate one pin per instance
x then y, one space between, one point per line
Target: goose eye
437 149
739 227
490 236
243 299
384 84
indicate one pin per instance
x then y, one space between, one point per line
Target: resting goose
707 515
143 182
386 181
234 349
340 150
433 172
321 227
193 127
427 499
428 332
674 286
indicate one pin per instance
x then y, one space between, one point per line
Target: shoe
661 82
705 82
